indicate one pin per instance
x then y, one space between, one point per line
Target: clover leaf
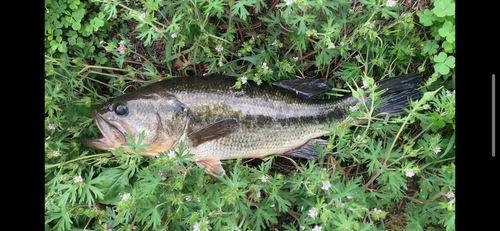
444 8
430 47
443 63
448 47
427 17
448 31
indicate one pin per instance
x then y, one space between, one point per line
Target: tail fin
400 90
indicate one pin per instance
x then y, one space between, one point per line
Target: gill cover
162 117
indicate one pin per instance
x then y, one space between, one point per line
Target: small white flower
188 198
437 150
196 227
313 213
125 197
78 179
289 2
101 42
331 46
171 155
316 228
55 154
264 66
142 16
409 173
326 185
173 35
272 206
219 48
352 109
448 93
263 179
349 197
243 80
295 59
450 195
390 3
365 84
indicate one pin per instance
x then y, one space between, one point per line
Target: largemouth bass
217 122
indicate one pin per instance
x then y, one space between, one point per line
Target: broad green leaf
430 47
427 17
444 8
450 62
253 59
448 47
448 31
76 25
441 57
441 68
78 14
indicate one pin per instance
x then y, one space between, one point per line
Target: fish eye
121 109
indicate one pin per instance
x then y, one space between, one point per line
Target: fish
216 121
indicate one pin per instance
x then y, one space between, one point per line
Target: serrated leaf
89 189
112 181
239 8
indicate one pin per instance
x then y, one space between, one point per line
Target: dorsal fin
304 88
213 131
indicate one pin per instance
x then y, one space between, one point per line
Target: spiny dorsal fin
213 131
304 88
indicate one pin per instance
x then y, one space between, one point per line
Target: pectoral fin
213 131
212 167
307 150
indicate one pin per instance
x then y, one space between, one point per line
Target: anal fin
307 150
212 167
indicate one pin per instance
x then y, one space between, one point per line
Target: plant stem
48 166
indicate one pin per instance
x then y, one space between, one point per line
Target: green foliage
441 20
384 169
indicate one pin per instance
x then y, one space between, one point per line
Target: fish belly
257 142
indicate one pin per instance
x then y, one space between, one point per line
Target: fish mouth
113 135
